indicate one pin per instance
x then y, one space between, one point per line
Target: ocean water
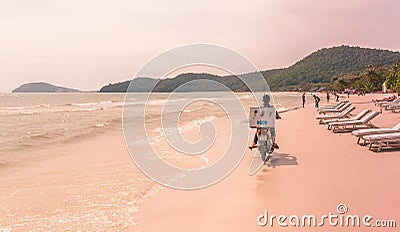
29 122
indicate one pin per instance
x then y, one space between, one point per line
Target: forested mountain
322 65
186 79
316 69
140 85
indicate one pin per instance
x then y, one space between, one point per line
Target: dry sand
312 172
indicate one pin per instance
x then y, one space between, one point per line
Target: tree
372 79
393 77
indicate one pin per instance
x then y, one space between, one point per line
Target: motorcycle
264 144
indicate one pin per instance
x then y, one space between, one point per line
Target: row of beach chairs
379 137
338 119
393 105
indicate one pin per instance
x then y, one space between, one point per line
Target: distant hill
40 87
314 70
169 85
233 82
139 85
322 65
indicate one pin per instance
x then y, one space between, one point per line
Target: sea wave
24 107
186 127
40 137
49 111
197 123
284 109
83 104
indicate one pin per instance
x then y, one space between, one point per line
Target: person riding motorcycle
266 101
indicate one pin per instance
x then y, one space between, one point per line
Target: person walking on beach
336 96
317 100
303 97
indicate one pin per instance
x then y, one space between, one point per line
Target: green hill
169 85
322 65
233 82
316 69
139 85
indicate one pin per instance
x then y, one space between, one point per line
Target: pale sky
85 44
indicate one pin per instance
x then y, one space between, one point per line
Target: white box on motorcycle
263 117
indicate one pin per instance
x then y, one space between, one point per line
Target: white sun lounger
389 103
336 106
354 124
342 114
333 106
357 117
336 110
379 140
392 107
365 132
381 103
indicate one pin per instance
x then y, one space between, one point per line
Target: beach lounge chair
333 106
354 124
336 110
381 103
396 110
357 117
365 132
377 141
387 104
344 114
392 107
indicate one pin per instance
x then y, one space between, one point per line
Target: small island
41 87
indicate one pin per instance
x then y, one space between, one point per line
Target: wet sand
86 185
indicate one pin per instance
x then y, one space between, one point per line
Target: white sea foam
7 108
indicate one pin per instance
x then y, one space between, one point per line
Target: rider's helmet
266 98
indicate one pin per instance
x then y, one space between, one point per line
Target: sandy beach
312 173
142 116
91 184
